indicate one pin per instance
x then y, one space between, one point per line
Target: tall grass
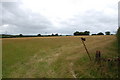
62 57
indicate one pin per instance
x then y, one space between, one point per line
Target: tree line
77 33
21 35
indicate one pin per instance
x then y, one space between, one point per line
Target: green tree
118 33
56 34
100 33
82 33
76 33
87 33
52 34
107 32
21 35
118 38
39 35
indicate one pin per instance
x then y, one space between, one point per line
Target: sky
58 16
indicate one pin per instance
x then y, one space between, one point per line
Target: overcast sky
58 16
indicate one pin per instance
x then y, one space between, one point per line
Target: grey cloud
119 14
23 20
92 20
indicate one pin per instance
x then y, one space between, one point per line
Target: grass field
57 57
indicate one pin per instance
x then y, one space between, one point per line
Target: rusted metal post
83 39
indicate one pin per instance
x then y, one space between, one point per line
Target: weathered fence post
98 56
83 39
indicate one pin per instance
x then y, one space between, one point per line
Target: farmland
57 57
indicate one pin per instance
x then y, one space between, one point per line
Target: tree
56 34
118 39
107 32
87 33
39 35
100 33
76 33
82 33
52 34
20 35
118 34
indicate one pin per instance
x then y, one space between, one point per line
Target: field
57 57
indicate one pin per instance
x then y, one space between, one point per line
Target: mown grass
58 57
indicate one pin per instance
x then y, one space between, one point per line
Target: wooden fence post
83 39
98 56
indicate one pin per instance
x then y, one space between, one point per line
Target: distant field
56 57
